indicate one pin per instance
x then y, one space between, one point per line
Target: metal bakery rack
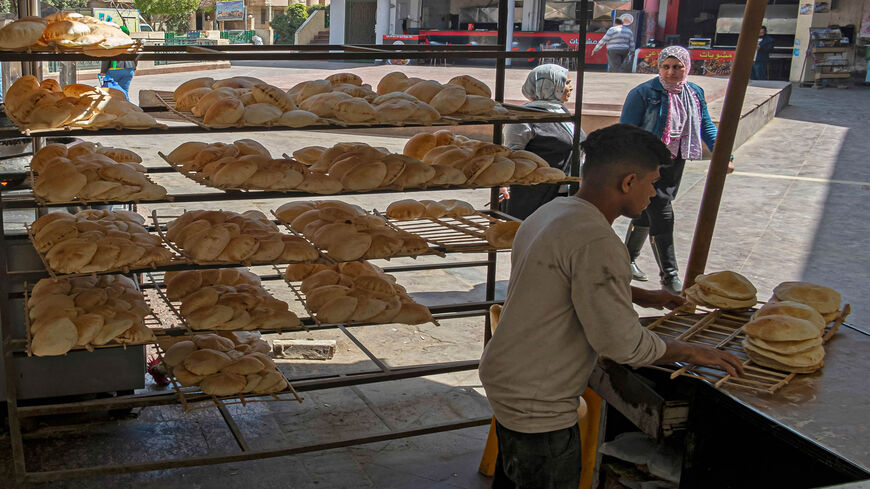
28 389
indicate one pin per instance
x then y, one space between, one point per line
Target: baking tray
723 330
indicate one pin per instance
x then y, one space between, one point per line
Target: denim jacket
647 106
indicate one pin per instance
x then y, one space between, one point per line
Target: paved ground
788 213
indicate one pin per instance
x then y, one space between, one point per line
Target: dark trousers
659 215
759 71
617 60
537 460
525 199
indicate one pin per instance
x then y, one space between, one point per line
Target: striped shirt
618 37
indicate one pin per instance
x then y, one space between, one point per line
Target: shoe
634 240
637 273
672 284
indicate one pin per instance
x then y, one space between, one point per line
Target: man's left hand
656 299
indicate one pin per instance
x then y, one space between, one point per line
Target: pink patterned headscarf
682 54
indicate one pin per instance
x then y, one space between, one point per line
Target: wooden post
753 16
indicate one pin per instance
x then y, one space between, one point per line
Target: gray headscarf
546 82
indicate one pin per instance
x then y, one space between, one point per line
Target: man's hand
656 299
705 355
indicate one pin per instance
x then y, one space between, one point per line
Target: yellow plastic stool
588 414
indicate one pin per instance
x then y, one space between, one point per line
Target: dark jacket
119 65
765 46
647 106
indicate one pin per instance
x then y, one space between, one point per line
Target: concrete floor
787 214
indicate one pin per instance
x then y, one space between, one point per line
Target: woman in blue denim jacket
674 109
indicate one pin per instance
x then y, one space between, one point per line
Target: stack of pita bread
86 312
66 30
240 101
227 299
225 365
723 290
786 336
825 300
347 232
94 241
90 172
463 95
411 210
483 164
230 237
34 105
356 291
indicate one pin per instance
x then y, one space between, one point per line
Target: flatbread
769 363
821 298
698 296
803 359
793 309
781 328
785 347
727 284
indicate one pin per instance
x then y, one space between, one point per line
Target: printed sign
234 10
707 62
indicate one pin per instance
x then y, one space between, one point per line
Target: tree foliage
159 12
325 8
285 24
67 4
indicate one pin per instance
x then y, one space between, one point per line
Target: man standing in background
620 46
762 55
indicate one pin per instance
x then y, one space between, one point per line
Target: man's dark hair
617 21
764 27
630 147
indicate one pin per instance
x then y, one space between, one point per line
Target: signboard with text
706 62
522 41
234 10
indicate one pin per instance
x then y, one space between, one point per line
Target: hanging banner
707 62
234 10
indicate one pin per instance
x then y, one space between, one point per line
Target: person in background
675 110
569 301
619 40
762 55
546 87
120 71
256 40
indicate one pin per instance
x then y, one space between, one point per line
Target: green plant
325 8
178 22
158 12
285 24
67 4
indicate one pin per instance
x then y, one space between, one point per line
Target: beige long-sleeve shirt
568 301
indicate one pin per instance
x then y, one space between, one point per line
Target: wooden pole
753 17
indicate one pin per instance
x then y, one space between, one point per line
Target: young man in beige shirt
569 301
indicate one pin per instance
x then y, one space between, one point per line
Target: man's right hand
681 351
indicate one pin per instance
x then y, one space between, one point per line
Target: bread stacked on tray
230 237
85 312
356 292
501 234
825 300
227 299
34 105
225 365
93 241
240 101
786 336
246 164
65 30
462 96
411 210
89 172
347 232
482 164
723 290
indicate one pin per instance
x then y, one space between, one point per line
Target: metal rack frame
11 282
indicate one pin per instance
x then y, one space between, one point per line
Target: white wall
382 21
336 22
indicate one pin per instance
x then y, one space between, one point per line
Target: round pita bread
697 295
821 298
727 284
793 309
770 363
781 328
785 347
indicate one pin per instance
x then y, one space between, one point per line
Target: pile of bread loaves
230 237
227 299
463 95
90 172
240 101
93 241
86 312
724 290
225 365
786 336
34 105
65 30
346 232
356 291
483 164
825 300
410 209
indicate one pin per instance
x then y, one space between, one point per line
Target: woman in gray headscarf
547 87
